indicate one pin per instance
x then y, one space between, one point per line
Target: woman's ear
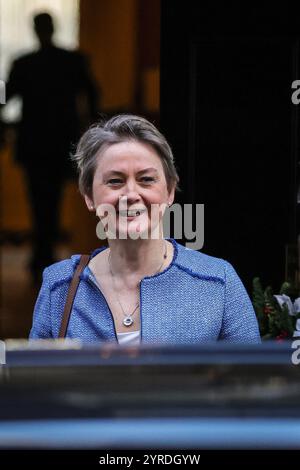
171 196
89 203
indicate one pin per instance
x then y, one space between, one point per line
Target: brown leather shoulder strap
71 295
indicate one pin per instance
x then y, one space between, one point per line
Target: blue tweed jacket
198 298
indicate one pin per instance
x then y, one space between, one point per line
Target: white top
132 337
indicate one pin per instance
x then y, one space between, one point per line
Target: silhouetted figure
53 83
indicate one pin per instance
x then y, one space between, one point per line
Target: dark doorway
226 108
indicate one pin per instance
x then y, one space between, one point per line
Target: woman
143 287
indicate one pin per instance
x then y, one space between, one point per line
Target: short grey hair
120 128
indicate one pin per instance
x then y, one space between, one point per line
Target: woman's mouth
131 213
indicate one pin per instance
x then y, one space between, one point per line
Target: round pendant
127 321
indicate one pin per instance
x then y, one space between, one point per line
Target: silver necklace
128 320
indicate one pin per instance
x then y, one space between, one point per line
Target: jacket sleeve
239 320
41 326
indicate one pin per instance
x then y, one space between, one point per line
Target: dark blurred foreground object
215 396
59 100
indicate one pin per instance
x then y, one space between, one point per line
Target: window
17 35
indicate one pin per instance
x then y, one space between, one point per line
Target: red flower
283 334
267 310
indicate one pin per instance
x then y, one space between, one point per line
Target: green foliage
274 321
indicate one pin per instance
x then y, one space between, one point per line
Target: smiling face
130 177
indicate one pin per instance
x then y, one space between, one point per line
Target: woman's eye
143 179
147 179
115 181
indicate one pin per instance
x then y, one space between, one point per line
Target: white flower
285 299
297 305
293 308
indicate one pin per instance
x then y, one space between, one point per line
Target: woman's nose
131 191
